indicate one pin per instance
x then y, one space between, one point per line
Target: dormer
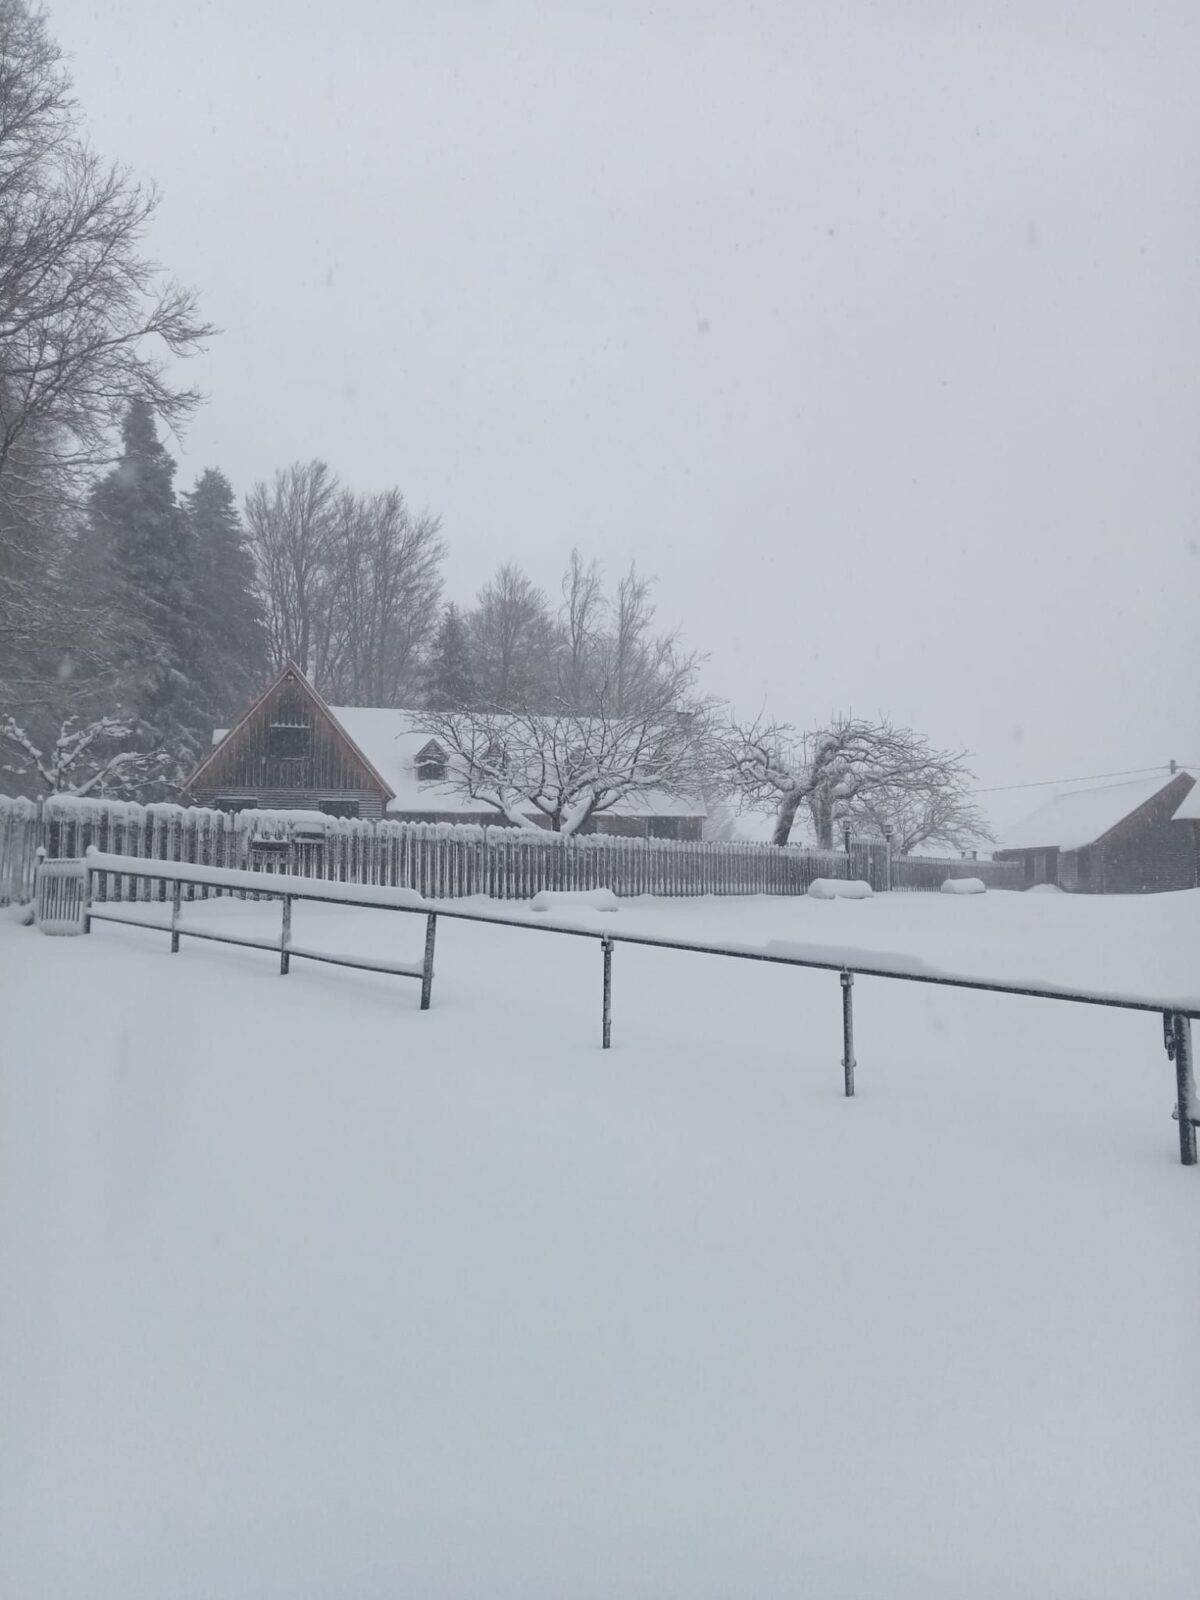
430 762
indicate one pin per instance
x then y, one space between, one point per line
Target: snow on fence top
275 883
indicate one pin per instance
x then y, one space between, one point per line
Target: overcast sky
872 331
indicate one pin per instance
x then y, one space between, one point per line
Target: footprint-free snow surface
308 1294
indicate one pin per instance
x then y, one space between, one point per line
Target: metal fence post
606 1024
285 937
1186 1105
848 1063
427 969
87 899
176 896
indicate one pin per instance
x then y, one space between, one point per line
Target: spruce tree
143 557
451 684
226 615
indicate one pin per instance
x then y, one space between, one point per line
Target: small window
289 741
235 802
338 808
431 763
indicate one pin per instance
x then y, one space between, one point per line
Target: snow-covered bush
964 886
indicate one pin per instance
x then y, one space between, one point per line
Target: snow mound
840 889
1044 888
964 886
559 899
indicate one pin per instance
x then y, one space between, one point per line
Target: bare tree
946 815
290 527
836 771
385 591
513 641
581 621
567 768
87 323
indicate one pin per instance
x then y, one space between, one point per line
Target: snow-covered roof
1082 815
1189 808
391 742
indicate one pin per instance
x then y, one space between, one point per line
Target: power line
1049 783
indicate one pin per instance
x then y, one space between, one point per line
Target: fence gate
60 896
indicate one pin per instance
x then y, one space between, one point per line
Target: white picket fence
439 860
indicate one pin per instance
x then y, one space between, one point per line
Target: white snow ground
307 1294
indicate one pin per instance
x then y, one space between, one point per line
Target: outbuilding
1118 839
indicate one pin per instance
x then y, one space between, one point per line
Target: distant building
291 751
1119 839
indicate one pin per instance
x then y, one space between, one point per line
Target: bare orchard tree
566 767
79 758
946 816
836 772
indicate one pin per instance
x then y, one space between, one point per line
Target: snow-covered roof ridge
1081 816
1189 808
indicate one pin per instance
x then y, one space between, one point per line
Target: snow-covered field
307 1294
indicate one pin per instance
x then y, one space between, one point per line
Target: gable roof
289 668
1083 815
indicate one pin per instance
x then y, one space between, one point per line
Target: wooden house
1119 839
292 751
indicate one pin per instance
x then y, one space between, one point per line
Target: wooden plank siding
247 765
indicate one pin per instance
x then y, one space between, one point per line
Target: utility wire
1049 783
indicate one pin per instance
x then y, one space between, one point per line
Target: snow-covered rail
1177 1011
266 886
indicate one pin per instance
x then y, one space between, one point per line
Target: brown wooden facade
289 752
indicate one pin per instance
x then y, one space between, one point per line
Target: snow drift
564 899
840 889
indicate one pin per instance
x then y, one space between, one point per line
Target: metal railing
272 886
1177 1012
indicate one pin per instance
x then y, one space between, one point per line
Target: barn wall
1038 866
1147 853
244 764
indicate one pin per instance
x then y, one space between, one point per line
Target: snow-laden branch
84 758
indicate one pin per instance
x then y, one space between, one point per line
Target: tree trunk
785 817
822 815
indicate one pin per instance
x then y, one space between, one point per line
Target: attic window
431 763
289 741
